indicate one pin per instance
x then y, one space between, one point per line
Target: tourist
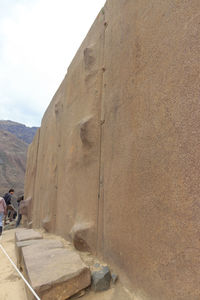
8 198
2 212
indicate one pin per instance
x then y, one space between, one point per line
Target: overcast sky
38 40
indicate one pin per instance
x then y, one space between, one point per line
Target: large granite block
123 154
54 273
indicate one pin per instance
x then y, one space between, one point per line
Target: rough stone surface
25 208
54 273
26 234
101 279
46 224
123 147
31 167
42 243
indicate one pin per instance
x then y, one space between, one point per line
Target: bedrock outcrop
118 150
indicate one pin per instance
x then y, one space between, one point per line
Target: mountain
21 131
12 162
14 141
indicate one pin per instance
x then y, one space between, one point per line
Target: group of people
8 210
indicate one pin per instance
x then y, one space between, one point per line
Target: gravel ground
11 285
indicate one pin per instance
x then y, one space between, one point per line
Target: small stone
114 277
101 279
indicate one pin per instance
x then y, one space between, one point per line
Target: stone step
26 234
25 237
50 244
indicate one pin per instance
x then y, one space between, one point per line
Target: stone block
54 273
26 234
50 244
101 279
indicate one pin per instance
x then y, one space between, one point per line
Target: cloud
38 39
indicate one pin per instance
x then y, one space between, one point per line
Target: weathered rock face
119 146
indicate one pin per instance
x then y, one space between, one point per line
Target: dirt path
11 285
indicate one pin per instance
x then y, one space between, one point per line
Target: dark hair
11 190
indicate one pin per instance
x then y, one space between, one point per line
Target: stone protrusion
84 131
47 223
25 209
79 235
89 58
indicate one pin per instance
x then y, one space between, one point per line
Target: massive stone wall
116 161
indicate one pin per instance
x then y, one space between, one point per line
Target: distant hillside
21 131
12 162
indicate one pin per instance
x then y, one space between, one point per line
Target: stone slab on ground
42 243
26 234
54 273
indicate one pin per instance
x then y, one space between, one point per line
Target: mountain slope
12 162
19 130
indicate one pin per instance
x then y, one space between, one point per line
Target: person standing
3 212
8 198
